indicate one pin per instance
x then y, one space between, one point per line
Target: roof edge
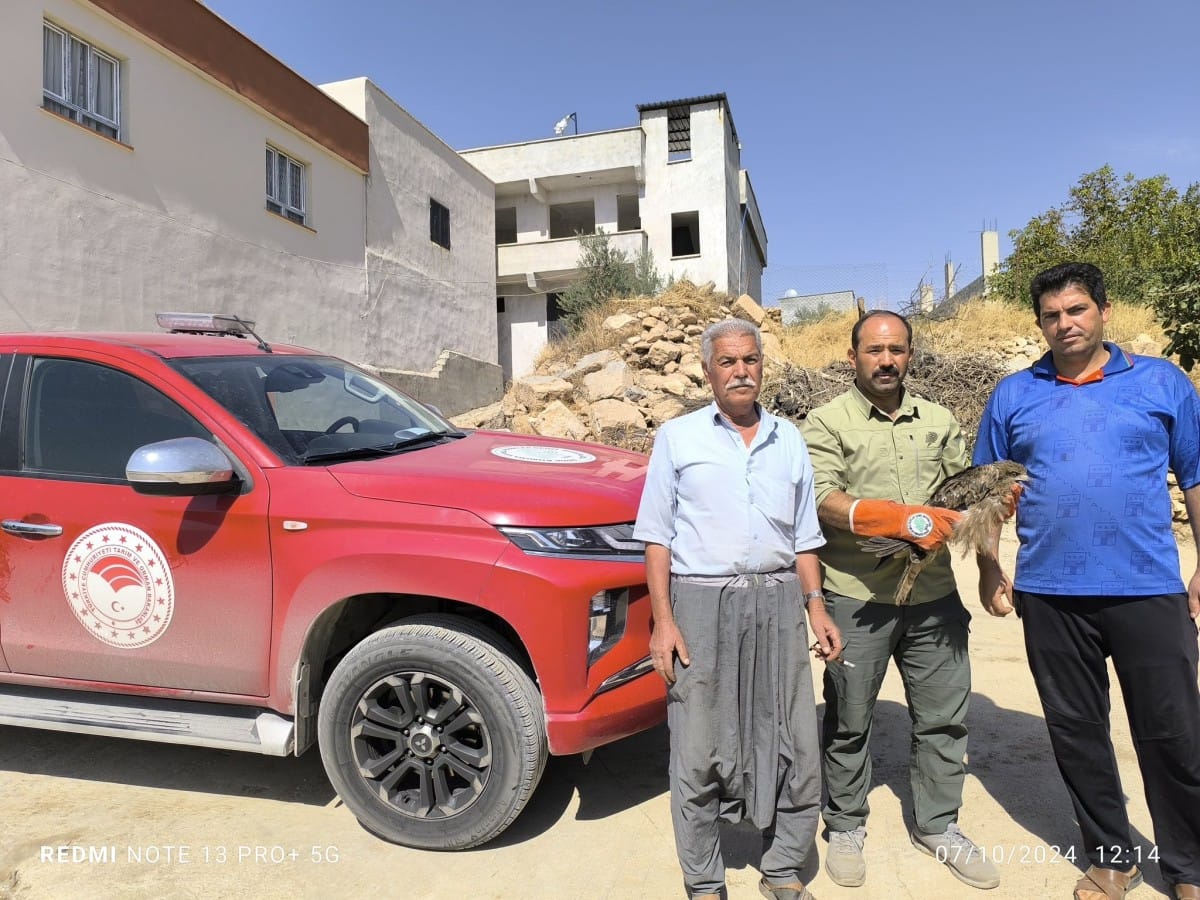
684 101
200 37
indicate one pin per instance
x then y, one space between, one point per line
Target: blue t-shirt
1095 517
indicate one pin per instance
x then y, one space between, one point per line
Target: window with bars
439 224
285 186
79 82
679 133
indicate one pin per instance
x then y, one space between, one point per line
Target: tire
500 646
430 735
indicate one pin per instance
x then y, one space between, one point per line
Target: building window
439 224
685 234
629 218
79 82
506 225
679 133
285 186
500 305
556 326
569 219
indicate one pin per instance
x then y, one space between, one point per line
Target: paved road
152 820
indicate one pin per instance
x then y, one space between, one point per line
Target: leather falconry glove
929 527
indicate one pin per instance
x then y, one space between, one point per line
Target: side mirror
181 467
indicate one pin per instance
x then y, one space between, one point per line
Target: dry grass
589 338
1129 321
977 325
816 344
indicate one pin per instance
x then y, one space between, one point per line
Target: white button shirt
724 508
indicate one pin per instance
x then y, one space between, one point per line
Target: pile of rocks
1019 353
620 396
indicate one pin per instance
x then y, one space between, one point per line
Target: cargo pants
928 642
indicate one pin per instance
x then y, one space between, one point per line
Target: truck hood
508 479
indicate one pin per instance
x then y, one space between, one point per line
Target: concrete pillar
925 303
951 288
989 249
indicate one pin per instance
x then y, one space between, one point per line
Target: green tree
1142 233
607 272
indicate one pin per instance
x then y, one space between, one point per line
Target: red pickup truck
208 539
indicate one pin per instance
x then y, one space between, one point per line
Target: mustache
887 370
740 381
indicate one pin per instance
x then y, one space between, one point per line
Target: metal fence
819 289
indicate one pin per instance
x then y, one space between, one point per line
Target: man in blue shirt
731 531
1097 573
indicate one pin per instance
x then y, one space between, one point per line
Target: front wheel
431 736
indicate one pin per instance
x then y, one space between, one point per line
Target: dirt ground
107 818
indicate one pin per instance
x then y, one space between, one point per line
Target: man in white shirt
731 531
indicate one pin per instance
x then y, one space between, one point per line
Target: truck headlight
611 542
606 621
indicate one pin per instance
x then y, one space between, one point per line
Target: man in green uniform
878 453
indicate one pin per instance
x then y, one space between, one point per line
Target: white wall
524 320
698 184
97 234
423 299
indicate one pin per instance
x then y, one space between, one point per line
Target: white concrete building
672 184
133 137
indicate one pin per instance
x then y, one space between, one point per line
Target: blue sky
880 135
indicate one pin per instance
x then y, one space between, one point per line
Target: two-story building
672 184
165 161
155 158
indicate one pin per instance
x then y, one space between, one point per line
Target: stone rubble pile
621 396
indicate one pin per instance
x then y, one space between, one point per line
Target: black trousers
1152 642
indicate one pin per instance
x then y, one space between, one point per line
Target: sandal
1112 884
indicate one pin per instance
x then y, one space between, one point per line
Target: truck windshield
311 408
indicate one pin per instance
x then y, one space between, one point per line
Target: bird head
1007 469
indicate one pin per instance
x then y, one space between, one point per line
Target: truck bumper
610 715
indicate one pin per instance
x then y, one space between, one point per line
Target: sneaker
844 861
966 861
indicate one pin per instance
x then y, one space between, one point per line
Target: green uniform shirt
857 449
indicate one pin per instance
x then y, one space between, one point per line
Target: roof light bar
204 323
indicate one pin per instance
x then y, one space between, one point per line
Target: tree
1142 233
607 272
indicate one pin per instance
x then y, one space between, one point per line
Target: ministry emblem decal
119 585
540 454
919 525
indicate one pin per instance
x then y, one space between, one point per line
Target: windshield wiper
346 453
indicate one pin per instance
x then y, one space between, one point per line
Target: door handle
16 526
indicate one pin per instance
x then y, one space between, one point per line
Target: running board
217 725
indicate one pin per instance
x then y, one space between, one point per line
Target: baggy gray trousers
743 725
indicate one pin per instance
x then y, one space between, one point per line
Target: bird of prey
985 496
